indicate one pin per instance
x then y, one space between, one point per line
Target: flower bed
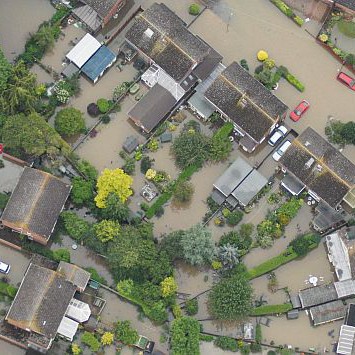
288 12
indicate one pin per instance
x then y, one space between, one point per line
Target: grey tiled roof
171 45
41 302
245 101
152 108
350 4
102 7
208 65
319 166
36 202
75 274
89 16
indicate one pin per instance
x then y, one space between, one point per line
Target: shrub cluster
288 11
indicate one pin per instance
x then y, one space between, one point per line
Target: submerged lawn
347 28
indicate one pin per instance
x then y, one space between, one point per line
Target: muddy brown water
241 28
18 18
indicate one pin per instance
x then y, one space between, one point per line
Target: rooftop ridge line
248 98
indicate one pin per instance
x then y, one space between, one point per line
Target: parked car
298 112
281 150
346 80
4 268
278 134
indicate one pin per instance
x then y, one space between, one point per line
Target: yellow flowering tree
323 37
150 174
168 286
262 55
107 338
113 181
106 230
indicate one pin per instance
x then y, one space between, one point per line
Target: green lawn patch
347 28
271 309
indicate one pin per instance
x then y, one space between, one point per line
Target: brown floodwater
18 18
241 28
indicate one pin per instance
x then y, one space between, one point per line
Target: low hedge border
285 9
271 309
166 196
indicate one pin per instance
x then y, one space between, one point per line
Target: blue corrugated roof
98 62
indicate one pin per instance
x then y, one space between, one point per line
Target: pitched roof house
95 14
163 38
41 303
320 167
243 100
35 204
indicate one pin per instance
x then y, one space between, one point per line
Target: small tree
115 209
197 245
191 307
185 338
229 255
93 110
82 191
146 164
106 230
107 338
183 192
103 105
125 333
69 121
90 340
113 181
168 287
61 255
233 218
76 227
194 9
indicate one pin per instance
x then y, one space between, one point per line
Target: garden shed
249 188
166 137
130 144
70 70
84 50
328 312
95 67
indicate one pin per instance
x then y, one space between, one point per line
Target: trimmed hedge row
295 82
288 12
272 264
271 309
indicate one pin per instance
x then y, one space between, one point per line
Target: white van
278 134
4 268
280 152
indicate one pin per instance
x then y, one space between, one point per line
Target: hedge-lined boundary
7 289
271 309
285 9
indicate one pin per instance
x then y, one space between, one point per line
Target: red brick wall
119 4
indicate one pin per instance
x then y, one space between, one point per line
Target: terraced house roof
161 35
320 166
41 301
36 202
102 7
245 101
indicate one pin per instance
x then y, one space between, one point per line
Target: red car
297 113
346 80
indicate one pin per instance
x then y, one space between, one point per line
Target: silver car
278 134
4 268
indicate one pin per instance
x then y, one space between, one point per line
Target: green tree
34 136
75 349
113 181
45 37
5 71
76 227
231 298
233 218
191 307
90 340
82 191
88 170
20 92
185 333
61 255
347 132
107 230
191 148
125 333
69 121
229 255
115 209
183 192
197 245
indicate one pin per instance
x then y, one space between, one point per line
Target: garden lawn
271 309
347 28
